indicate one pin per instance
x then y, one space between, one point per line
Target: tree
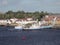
41 15
10 14
21 14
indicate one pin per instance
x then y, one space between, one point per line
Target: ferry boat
34 26
37 25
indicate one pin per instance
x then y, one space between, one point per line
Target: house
25 20
51 18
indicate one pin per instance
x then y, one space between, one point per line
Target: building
25 20
52 19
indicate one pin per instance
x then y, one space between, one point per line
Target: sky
30 5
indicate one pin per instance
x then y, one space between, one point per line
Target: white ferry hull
33 28
42 27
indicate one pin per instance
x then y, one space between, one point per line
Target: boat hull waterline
33 28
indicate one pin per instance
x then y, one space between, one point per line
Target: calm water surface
37 37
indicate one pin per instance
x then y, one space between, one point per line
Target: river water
35 37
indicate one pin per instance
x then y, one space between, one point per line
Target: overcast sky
30 5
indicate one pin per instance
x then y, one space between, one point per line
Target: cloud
4 2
